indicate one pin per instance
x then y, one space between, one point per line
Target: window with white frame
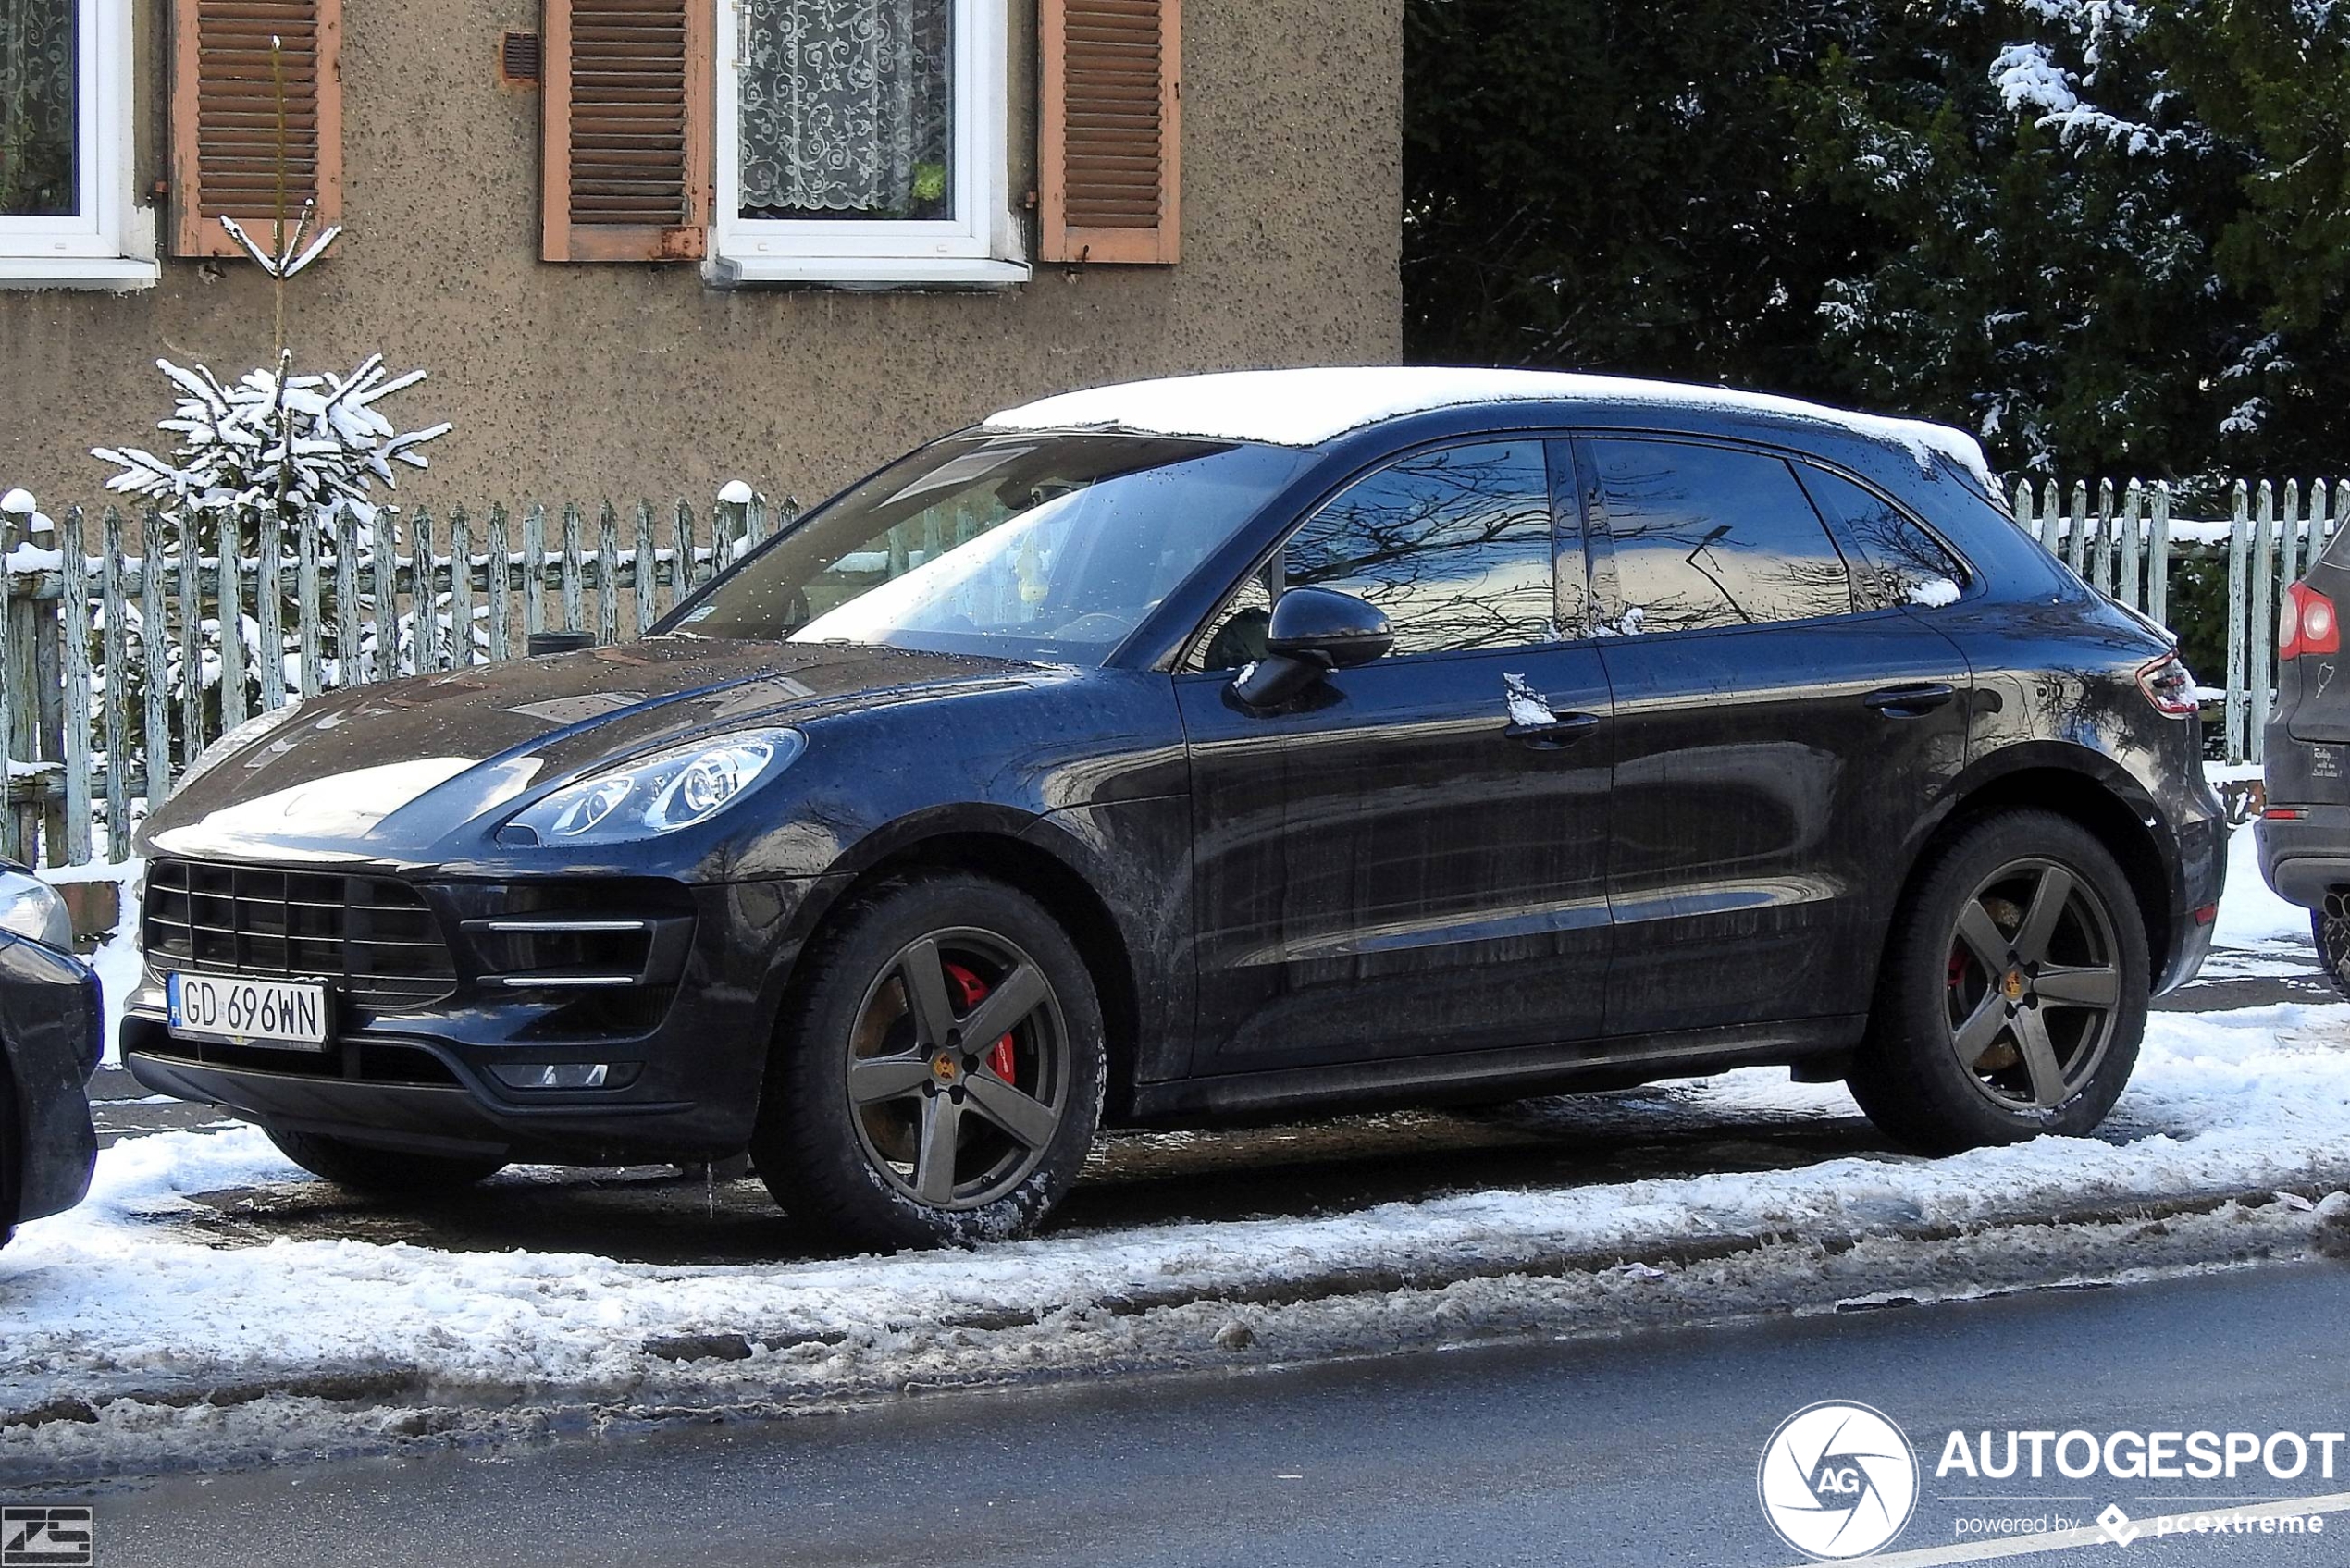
865 140
65 179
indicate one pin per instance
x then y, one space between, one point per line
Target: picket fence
96 734
2128 543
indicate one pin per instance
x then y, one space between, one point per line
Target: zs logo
45 1537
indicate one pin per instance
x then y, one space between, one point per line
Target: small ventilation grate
520 59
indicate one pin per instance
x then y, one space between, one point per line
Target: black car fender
51 1036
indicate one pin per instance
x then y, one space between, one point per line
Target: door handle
1909 702
1559 733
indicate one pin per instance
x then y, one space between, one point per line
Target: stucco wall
583 380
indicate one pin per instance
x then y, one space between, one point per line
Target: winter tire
384 1172
937 1076
2329 931
2014 991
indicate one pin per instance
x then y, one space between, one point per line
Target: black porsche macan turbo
1210 748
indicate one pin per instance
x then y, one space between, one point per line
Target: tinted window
1454 545
1906 564
1707 536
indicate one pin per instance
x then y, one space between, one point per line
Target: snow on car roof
1305 408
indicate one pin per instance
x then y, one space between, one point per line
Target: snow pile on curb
106 1300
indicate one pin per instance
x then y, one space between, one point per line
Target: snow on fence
100 718
2129 544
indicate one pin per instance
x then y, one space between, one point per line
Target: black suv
1212 747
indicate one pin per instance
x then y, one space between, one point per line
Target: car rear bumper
2202 875
2303 858
53 1022
684 1060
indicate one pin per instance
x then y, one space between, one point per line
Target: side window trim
1571 585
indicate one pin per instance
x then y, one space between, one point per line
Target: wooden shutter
1110 129
628 128
224 117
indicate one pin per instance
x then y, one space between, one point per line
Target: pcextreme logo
1837 1480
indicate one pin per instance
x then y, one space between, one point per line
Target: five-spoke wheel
938 1070
2033 985
958 1069
2014 990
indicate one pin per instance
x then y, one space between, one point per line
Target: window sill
838 272
119 273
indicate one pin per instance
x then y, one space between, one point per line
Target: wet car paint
1372 896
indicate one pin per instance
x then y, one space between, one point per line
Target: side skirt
1475 1076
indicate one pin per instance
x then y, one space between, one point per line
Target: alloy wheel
958 1073
2034 984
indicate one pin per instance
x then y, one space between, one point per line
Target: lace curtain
847 106
37 118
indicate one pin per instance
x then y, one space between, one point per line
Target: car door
1780 737
1412 859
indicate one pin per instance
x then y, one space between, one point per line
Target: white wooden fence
100 718
2128 543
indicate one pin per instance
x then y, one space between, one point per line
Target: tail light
2169 686
2307 623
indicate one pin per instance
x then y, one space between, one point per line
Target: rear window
1901 564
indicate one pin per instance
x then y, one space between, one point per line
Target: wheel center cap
2012 986
943 1068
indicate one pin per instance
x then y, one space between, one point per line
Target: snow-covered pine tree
302 450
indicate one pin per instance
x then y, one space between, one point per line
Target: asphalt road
1639 1451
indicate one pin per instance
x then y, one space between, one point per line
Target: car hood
385 771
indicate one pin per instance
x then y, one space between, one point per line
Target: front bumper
685 1054
52 1025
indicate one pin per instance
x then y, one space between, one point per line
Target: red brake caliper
969 992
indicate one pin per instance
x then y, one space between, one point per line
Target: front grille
374 938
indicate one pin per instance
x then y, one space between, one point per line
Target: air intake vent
374 939
521 60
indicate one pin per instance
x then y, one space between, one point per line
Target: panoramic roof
1305 408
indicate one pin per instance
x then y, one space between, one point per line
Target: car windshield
1049 547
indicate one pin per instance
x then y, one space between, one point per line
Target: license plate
254 1012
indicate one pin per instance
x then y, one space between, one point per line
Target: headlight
29 907
675 789
236 740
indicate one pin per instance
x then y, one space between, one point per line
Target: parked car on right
2305 828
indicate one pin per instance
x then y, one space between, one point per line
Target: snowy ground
134 1338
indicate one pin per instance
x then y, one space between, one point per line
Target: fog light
553 1075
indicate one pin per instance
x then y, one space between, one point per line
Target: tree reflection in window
1904 561
1453 545
1709 537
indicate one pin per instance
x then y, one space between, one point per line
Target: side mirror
1313 632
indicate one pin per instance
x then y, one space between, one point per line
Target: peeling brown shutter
1110 130
628 128
224 117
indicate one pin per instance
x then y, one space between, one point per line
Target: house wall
568 379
